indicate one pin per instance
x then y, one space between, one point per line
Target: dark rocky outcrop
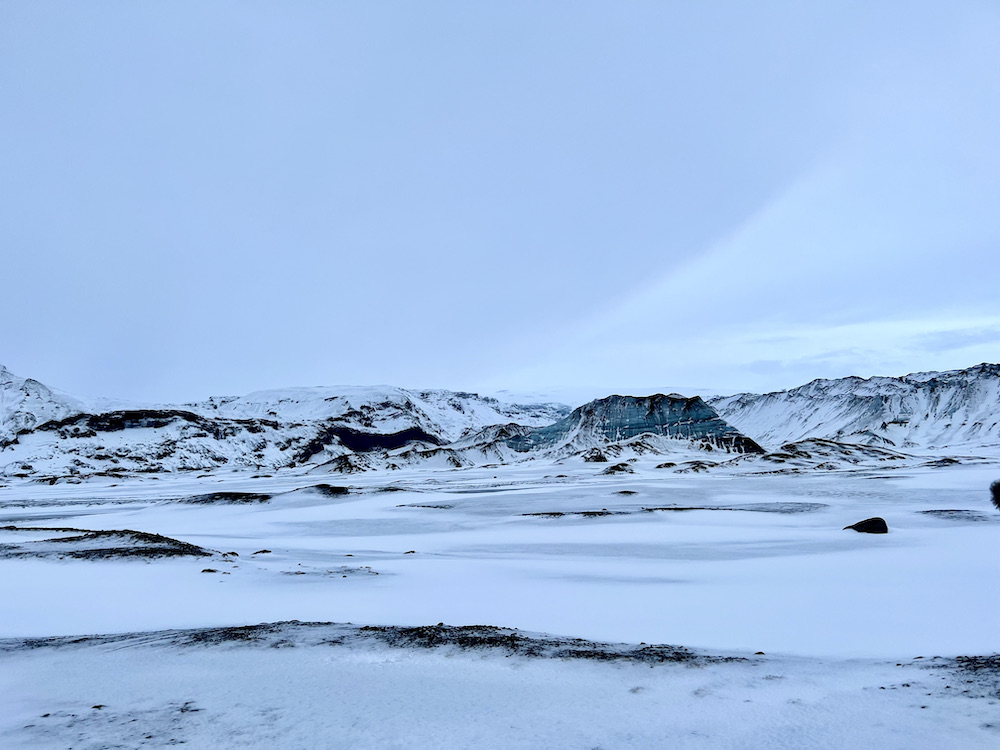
622 417
362 442
967 516
619 469
227 498
85 544
329 490
870 526
483 639
88 425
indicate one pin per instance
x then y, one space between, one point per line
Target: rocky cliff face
958 410
620 418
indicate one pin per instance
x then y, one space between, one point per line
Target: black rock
995 493
870 526
619 469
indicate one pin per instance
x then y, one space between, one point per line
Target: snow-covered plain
727 564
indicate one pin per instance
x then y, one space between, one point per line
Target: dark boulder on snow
619 469
870 526
995 493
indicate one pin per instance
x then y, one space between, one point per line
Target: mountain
957 410
44 433
618 419
26 403
826 424
616 427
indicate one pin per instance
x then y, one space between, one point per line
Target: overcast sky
215 197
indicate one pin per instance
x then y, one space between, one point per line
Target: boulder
619 469
870 526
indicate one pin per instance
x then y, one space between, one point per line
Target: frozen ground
724 565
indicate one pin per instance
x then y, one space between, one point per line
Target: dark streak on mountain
362 442
86 425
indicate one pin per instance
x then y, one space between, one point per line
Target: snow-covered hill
927 412
26 403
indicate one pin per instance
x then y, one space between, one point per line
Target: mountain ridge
922 412
48 434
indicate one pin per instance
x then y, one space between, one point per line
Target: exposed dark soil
227 498
83 544
329 490
972 516
622 468
979 676
787 508
583 513
507 641
749 507
475 637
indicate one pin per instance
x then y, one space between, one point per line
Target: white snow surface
728 564
142 693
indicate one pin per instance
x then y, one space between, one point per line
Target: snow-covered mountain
44 433
26 403
49 435
926 412
622 418
615 427
443 415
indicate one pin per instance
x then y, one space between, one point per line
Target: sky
203 198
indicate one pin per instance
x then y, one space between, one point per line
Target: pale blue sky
214 197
